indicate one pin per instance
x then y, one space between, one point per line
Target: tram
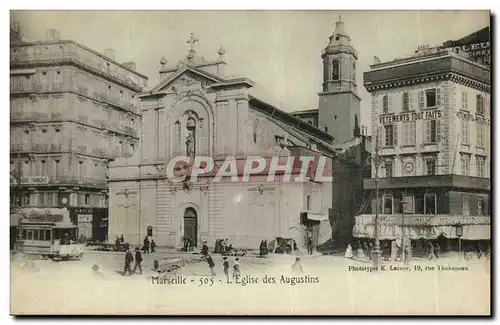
49 233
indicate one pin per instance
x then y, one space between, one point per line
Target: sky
279 50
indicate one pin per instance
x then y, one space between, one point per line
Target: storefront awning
423 227
317 216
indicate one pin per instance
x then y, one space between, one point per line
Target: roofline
424 57
21 44
326 136
313 110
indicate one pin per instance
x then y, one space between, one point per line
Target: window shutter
438 131
438 97
389 103
478 103
410 100
414 133
395 135
421 99
380 134
427 133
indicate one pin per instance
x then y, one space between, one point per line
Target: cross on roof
192 40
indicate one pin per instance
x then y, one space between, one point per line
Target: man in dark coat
138 260
210 263
153 246
145 248
128 260
309 245
204 249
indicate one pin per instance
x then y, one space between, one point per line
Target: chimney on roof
52 35
131 65
110 53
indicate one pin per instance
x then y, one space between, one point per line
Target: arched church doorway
191 225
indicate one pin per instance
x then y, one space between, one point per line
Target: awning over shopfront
316 216
57 216
423 226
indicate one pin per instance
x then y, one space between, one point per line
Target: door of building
191 225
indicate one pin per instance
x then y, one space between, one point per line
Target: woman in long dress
361 255
348 251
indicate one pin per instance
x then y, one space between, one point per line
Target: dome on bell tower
340 41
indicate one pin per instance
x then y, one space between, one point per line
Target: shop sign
34 180
430 220
45 218
410 117
475 50
83 211
474 118
84 218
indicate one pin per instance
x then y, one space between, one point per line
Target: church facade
198 110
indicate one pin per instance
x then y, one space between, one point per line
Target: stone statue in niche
190 139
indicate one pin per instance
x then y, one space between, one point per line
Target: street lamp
376 254
460 233
403 205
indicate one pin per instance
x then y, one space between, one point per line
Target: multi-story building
72 110
431 127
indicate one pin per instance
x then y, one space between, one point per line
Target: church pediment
186 78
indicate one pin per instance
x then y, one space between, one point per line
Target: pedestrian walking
297 266
348 252
146 245
438 251
128 260
236 268
204 248
361 255
210 263
431 252
225 265
370 250
407 255
309 245
138 260
153 246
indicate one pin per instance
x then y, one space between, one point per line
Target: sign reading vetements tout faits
409 117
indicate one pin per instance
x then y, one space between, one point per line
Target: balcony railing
34 147
23 117
63 180
75 180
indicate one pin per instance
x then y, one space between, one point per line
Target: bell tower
339 102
